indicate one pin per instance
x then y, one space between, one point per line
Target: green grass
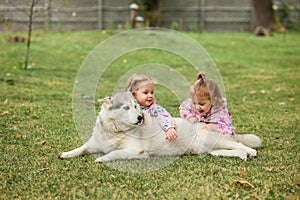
262 80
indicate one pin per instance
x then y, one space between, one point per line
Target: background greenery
261 77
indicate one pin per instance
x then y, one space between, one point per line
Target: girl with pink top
207 105
142 88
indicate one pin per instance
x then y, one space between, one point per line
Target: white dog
124 131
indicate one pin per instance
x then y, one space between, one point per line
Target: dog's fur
124 131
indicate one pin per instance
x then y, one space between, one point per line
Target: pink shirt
220 116
164 118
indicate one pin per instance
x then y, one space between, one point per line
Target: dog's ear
106 100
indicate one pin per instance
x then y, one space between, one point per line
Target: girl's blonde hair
136 80
206 88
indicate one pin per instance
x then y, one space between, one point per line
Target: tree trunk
265 16
33 3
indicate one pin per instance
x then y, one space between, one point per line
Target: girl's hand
171 134
193 120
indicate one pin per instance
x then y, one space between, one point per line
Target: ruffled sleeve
222 117
186 109
163 117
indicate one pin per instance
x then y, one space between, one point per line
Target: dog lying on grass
124 131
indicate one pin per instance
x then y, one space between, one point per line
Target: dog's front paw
253 153
98 160
61 155
101 160
244 156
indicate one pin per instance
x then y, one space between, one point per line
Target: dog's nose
140 118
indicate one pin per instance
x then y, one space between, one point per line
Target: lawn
262 81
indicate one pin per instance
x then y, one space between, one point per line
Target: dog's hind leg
83 150
231 145
249 140
230 153
121 154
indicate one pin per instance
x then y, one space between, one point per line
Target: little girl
206 104
142 88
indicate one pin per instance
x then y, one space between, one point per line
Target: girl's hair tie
201 76
130 81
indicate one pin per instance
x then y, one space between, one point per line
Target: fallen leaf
292 99
243 183
174 94
268 168
44 142
282 103
5 112
18 136
244 99
253 196
44 169
252 92
263 91
112 176
241 174
64 169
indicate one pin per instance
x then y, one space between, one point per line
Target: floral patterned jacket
164 118
220 116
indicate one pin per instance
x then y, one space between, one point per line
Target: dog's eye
126 107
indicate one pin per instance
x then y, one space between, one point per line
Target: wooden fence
187 15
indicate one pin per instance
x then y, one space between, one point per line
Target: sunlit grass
261 78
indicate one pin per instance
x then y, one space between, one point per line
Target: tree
30 15
265 16
33 3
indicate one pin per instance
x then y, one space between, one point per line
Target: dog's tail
249 140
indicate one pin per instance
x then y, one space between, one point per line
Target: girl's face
202 105
144 95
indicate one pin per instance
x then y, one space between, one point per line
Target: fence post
48 20
100 14
202 14
252 18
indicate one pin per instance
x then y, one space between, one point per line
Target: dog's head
122 110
